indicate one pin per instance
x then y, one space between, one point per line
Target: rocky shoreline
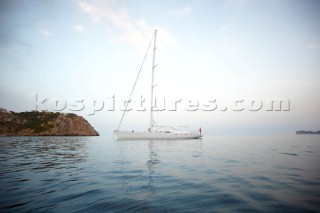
44 123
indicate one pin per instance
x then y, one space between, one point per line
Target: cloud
78 28
45 32
125 28
90 9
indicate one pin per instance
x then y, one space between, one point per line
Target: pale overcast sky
226 50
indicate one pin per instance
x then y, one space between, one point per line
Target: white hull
155 135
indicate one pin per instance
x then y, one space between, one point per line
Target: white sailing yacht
155 131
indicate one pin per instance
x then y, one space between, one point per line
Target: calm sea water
98 174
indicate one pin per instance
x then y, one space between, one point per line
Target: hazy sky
226 50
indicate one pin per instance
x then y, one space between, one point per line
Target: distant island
307 132
44 123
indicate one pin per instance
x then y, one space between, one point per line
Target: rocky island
307 132
44 123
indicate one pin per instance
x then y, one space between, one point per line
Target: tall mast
152 78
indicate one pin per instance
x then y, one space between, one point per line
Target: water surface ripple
277 173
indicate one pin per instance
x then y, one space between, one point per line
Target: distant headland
44 123
307 132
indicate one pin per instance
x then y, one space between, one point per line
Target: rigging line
135 83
